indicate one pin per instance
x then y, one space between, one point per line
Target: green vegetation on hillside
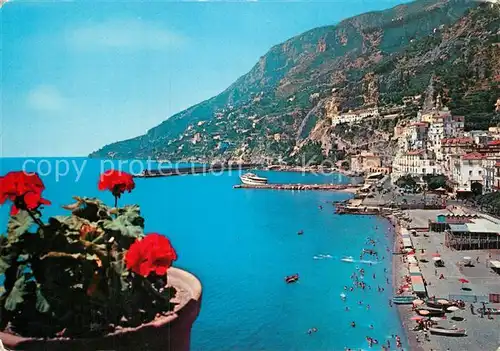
262 116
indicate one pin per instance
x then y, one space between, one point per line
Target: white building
354 116
415 163
469 173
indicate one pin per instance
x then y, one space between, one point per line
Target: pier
175 171
324 187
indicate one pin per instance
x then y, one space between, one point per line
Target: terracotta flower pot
170 332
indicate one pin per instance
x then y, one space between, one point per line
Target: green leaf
42 305
18 225
3 265
128 222
73 223
121 274
16 295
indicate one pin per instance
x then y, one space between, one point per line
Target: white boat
253 179
448 331
347 259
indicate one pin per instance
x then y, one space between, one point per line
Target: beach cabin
479 232
407 243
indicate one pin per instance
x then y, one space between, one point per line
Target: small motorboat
438 303
430 311
292 278
403 300
447 331
347 259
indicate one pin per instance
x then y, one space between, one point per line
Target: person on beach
472 309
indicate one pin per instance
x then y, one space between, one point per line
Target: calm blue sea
241 244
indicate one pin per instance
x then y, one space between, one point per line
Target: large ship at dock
253 179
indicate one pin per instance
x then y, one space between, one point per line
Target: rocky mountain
282 108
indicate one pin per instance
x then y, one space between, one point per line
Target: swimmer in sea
353 324
371 326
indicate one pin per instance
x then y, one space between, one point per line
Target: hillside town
435 143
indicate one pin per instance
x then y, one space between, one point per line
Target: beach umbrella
436 319
423 312
437 254
437 258
463 281
417 318
443 302
452 308
418 302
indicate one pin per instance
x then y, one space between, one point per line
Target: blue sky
78 75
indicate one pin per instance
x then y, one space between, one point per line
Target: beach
483 333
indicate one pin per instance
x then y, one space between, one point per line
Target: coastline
397 272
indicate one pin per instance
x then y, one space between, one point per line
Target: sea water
241 244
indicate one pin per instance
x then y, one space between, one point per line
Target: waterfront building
416 163
366 162
468 173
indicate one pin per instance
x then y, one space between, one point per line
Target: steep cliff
286 101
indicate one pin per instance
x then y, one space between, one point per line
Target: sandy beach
483 333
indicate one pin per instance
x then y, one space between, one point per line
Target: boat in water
447 331
403 300
253 179
292 278
347 259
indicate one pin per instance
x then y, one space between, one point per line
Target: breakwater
325 187
175 171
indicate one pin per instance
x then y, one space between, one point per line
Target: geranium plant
82 274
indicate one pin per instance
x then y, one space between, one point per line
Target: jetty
324 187
176 171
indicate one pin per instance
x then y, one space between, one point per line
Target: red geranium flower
153 253
116 182
23 189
